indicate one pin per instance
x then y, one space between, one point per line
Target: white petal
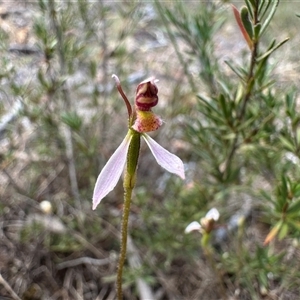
167 160
213 214
111 173
194 226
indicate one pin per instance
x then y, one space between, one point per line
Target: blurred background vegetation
62 118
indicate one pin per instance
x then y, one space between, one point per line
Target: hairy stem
129 183
124 230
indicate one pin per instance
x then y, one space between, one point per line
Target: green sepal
133 152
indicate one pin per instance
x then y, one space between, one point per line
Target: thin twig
86 243
71 164
53 174
247 96
84 260
16 186
8 288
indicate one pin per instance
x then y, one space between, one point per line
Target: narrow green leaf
263 278
42 80
294 207
257 29
295 119
229 136
262 9
72 119
246 21
250 6
294 224
284 187
287 143
238 71
290 102
269 52
225 88
216 115
224 108
239 94
247 123
296 190
283 231
298 135
267 196
270 16
242 28
253 2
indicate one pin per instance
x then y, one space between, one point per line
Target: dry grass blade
8 288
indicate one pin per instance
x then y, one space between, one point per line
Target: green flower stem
129 183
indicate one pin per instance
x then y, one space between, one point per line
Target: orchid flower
206 224
205 227
141 119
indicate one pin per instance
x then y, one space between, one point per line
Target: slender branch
71 164
84 260
247 96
